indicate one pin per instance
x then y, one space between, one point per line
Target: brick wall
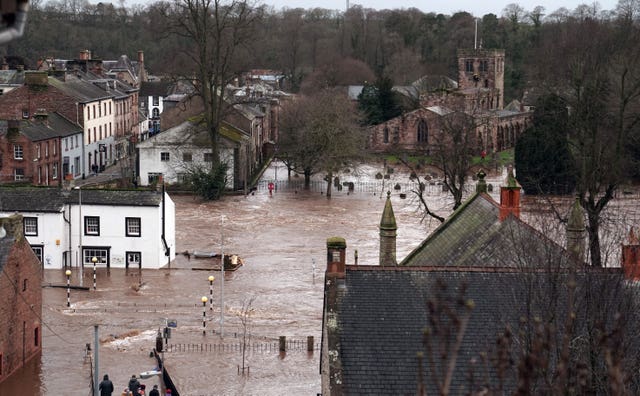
21 296
8 164
28 98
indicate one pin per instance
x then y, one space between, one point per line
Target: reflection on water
26 381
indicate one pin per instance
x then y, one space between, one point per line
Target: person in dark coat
106 386
134 385
154 391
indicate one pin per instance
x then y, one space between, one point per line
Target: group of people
134 388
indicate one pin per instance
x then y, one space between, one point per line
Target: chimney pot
336 256
510 196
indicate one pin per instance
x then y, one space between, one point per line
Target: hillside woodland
317 47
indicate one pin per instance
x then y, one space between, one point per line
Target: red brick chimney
336 255
631 257
510 196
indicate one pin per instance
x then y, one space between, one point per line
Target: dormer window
25 113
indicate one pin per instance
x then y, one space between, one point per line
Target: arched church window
423 132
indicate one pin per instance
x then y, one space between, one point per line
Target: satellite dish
13 18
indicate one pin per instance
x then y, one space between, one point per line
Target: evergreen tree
542 156
379 102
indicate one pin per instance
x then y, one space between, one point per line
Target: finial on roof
388 234
511 181
481 186
388 221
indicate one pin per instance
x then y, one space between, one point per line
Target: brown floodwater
281 239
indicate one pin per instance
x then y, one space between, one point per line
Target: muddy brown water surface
282 242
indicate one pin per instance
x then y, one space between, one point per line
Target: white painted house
121 228
172 153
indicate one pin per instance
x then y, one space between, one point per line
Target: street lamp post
211 279
94 260
68 274
222 276
204 300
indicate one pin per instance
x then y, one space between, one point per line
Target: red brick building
36 151
479 94
21 296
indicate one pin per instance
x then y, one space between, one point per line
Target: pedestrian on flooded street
106 386
134 385
154 391
168 392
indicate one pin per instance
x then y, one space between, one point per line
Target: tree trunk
307 178
329 184
594 238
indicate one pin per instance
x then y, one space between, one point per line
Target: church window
386 135
423 131
468 65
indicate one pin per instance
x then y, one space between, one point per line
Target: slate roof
154 88
82 90
31 199
382 313
55 126
353 91
191 134
11 77
430 83
474 236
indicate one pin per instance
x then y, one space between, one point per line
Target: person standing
134 385
154 391
106 386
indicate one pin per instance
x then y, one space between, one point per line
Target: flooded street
277 292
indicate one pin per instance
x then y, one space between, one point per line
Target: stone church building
478 95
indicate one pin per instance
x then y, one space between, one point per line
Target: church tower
388 233
483 69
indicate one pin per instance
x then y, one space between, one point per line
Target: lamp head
204 299
94 259
67 272
211 278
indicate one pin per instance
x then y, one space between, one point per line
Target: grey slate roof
117 197
474 236
382 313
82 90
55 126
154 88
31 199
11 77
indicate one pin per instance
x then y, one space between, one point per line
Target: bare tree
566 328
453 149
214 34
604 97
245 321
321 133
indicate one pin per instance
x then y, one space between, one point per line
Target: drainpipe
167 249
83 144
68 221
